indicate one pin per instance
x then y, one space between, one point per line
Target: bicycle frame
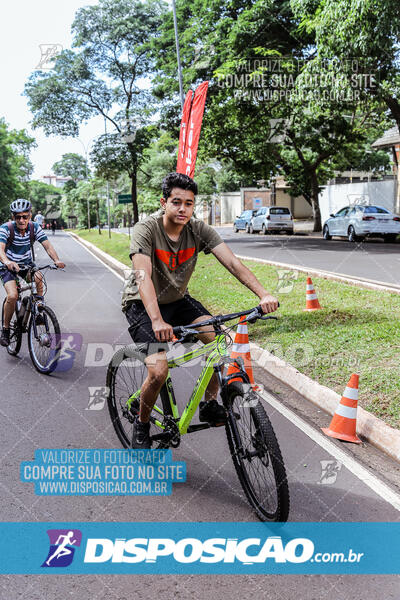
215 351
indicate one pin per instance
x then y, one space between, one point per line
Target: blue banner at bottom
200 548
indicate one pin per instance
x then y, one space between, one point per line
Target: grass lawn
357 330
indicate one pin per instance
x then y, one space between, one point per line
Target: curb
374 430
368 284
371 428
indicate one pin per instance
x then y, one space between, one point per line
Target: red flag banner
187 107
190 130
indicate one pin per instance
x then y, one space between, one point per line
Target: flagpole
178 54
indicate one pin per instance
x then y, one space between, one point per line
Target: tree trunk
134 197
314 201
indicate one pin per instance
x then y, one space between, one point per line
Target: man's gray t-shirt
173 262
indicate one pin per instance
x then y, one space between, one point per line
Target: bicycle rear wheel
44 348
125 376
15 333
256 455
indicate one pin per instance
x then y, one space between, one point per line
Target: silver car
358 222
272 218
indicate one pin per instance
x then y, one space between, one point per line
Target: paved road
373 259
50 412
370 260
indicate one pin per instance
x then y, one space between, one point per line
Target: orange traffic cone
241 348
311 297
343 424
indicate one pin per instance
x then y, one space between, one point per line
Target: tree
75 202
363 33
45 198
72 165
112 156
103 74
15 166
268 71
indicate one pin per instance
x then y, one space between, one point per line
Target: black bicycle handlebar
183 332
34 268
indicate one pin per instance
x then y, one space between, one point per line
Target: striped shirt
20 250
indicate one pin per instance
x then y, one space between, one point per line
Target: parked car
272 218
358 222
243 222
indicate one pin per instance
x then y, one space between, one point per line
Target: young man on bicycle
16 256
164 251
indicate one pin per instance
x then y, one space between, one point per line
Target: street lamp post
178 57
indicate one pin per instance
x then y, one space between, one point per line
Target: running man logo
174 259
329 471
49 53
71 343
61 551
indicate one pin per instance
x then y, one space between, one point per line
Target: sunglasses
24 217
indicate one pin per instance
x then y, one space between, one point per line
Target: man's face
22 220
179 206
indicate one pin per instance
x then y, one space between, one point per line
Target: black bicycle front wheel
256 455
45 346
15 333
125 376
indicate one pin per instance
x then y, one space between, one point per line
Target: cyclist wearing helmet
16 239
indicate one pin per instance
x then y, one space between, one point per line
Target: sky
26 25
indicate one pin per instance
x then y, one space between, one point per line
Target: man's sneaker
212 412
5 337
141 435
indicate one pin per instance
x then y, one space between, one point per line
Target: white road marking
374 483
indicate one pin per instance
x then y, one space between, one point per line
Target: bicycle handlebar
183 331
35 268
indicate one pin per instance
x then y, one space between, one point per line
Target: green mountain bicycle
252 442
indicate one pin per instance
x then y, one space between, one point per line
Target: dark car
243 222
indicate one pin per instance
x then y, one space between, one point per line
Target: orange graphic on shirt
174 259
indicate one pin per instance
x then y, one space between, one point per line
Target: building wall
248 194
334 197
299 207
230 205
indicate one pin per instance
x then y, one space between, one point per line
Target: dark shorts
180 312
6 275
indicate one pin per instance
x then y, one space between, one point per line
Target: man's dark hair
177 180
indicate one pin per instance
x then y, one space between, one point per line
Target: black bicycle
34 317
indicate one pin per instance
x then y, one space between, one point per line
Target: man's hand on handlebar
13 266
162 330
269 303
59 264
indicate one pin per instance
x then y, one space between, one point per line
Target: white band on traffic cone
351 393
241 348
346 411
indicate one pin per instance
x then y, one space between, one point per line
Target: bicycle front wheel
15 333
45 346
125 376
256 455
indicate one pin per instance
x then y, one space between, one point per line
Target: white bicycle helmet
20 205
